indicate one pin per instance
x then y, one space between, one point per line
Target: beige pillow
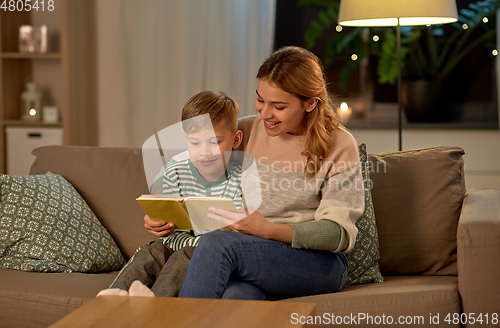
109 179
417 197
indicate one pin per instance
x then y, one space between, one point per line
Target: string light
494 52
32 112
465 26
338 28
485 20
354 57
376 38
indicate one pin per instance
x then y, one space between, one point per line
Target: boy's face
210 150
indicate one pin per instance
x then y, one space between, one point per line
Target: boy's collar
204 182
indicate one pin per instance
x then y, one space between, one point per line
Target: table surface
126 311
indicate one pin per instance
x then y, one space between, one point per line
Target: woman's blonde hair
299 72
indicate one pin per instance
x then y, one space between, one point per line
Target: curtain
153 55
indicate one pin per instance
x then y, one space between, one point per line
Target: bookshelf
65 74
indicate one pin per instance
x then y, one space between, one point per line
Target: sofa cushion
109 179
46 226
417 197
406 300
36 300
363 258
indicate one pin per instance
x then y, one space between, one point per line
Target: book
189 213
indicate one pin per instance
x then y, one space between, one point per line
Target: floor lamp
397 13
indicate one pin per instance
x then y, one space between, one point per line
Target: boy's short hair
220 107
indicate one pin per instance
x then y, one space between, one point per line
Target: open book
188 213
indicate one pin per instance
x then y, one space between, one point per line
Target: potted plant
429 53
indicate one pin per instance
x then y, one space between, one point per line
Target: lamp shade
387 12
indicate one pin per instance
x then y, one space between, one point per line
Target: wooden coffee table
125 311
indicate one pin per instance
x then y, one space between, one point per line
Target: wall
482 149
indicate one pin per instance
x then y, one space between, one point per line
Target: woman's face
280 111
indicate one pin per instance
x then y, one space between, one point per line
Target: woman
312 192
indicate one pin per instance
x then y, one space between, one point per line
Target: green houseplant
429 53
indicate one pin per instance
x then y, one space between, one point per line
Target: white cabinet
20 141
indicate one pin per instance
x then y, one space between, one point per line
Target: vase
424 101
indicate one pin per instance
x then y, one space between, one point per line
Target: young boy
210 123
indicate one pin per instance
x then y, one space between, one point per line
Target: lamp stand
400 103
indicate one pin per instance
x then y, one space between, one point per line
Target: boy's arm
170 187
158 185
180 239
158 182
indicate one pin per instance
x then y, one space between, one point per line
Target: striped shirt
181 179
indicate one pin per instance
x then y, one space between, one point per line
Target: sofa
439 246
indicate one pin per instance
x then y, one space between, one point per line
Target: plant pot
424 101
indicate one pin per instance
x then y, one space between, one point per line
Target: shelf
18 55
65 75
30 123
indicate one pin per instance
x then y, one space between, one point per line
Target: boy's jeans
157 267
227 264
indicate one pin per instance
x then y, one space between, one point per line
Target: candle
30 100
344 112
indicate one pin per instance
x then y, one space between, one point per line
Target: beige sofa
438 256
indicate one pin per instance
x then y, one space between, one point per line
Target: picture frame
33 39
50 114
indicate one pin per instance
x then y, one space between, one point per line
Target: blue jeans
227 264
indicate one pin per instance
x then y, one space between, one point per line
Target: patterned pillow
46 226
363 258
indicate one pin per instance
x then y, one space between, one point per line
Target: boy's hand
158 228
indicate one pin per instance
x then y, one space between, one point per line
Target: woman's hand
254 224
158 228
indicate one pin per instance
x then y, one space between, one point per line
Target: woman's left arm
343 202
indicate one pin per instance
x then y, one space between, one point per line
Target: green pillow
363 258
46 226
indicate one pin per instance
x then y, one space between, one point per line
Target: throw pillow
363 258
46 226
418 195
94 173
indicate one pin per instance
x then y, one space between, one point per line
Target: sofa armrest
478 251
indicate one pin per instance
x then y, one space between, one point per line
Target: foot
113 291
139 289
